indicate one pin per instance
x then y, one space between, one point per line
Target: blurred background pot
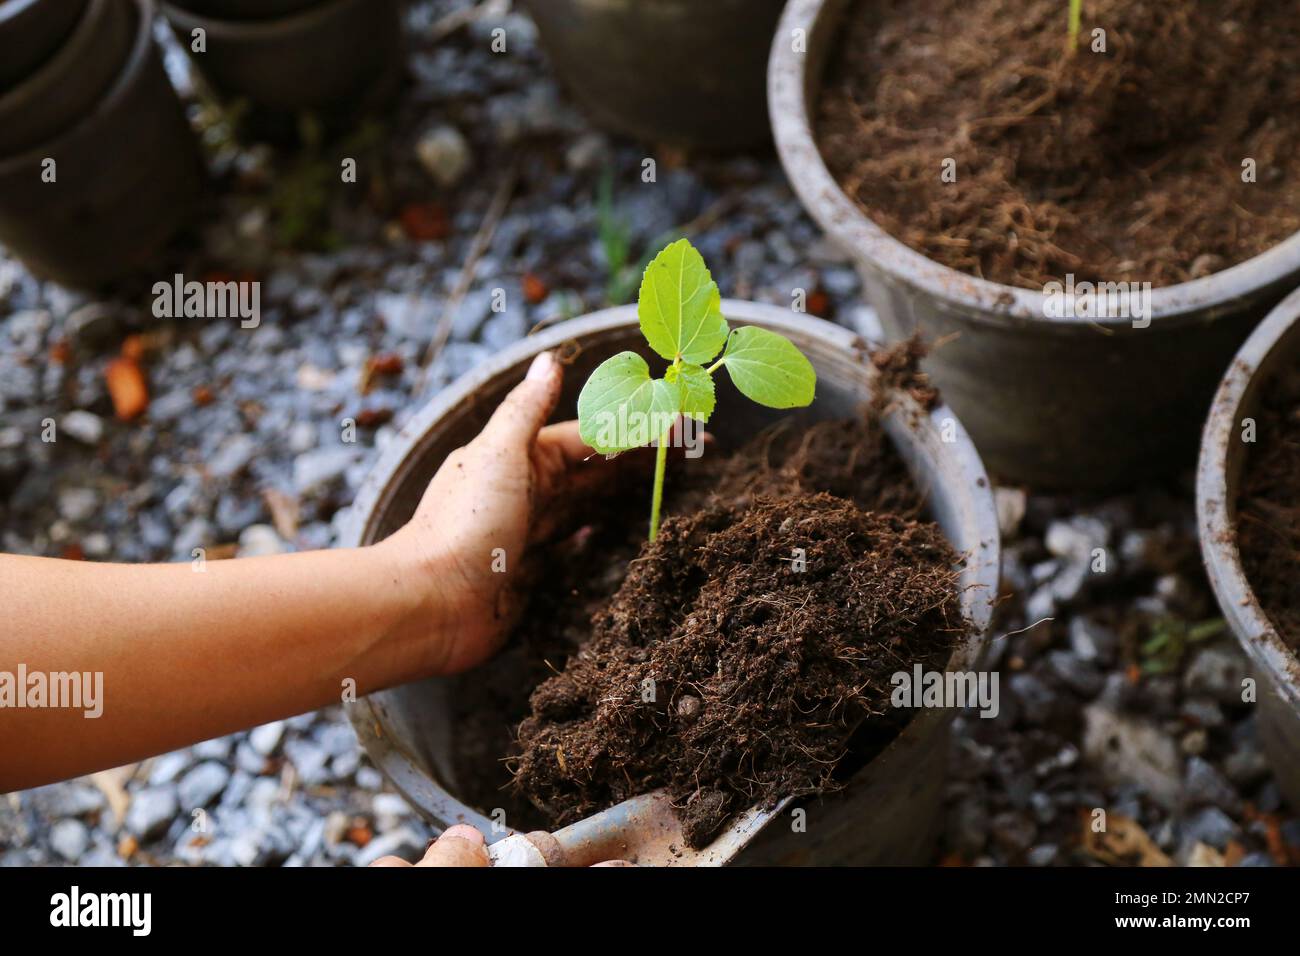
246 9
333 59
30 32
127 175
891 810
684 72
66 86
1069 402
1224 456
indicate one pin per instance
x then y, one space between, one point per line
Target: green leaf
768 369
697 390
621 407
679 306
1205 630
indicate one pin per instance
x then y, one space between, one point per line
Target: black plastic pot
1274 346
683 72
335 60
30 32
68 85
127 174
1060 402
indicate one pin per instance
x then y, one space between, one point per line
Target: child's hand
464 548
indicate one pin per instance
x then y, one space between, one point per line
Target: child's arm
187 655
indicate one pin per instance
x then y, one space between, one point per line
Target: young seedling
1076 22
680 311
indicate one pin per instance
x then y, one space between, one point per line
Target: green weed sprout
1076 22
680 311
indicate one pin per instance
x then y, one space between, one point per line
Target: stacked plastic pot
98 165
280 59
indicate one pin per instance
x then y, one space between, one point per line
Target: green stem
716 365
1076 21
661 462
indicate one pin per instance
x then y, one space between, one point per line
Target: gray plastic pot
30 32
891 811
68 85
672 71
1273 346
1069 402
128 174
336 60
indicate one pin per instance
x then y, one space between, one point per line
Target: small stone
232 457
689 707
309 759
317 470
77 504
69 838
444 154
168 767
1211 826
152 811
1011 503
1079 676
403 842
389 809
368 778
1203 785
201 785
1246 768
1042 855
587 152
266 738
1133 751
259 540
85 427
1217 672
1092 641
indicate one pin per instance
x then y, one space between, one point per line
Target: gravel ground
242 452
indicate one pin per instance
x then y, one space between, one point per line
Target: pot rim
10 9
117 90
389 755
790 87
1216 505
276 28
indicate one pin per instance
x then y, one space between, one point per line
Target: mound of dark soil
575 578
731 675
1117 166
1268 509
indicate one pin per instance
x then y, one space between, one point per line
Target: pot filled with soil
30 32
100 197
334 59
1248 512
670 71
1014 200
764 683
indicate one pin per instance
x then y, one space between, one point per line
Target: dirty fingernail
463 831
541 367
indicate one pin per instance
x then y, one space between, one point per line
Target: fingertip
543 368
463 831
390 861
